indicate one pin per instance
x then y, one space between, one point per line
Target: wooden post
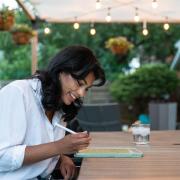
34 46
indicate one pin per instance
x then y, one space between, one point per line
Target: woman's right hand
73 142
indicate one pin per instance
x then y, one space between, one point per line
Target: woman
30 143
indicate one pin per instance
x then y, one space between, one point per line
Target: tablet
108 152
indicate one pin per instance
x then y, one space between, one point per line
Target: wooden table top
161 159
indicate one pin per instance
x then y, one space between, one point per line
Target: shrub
152 82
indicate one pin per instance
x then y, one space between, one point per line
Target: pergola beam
29 15
34 41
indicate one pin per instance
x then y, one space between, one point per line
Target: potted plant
22 34
119 45
6 18
151 88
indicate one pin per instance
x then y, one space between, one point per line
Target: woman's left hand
67 167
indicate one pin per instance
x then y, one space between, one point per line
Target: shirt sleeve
13 123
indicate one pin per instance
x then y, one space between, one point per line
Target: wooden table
161 159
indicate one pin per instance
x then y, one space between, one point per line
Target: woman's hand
67 167
73 143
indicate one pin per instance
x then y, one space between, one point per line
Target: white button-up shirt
23 123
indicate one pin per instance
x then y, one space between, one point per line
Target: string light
76 24
145 30
92 30
98 4
136 17
154 4
108 17
166 24
47 30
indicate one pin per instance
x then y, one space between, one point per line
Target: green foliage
19 67
150 82
64 34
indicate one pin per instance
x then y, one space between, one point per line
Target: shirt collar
37 89
36 86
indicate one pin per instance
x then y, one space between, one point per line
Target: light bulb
108 18
92 31
145 32
166 26
136 18
47 30
98 4
76 25
154 4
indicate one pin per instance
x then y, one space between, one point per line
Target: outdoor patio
138 45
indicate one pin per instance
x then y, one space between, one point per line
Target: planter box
163 116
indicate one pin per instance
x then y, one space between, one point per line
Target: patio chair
100 117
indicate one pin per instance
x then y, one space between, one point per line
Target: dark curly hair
78 61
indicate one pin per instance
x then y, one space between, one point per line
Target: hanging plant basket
119 45
21 38
6 25
6 19
121 50
22 34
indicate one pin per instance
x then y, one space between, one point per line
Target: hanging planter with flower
6 19
119 45
22 34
